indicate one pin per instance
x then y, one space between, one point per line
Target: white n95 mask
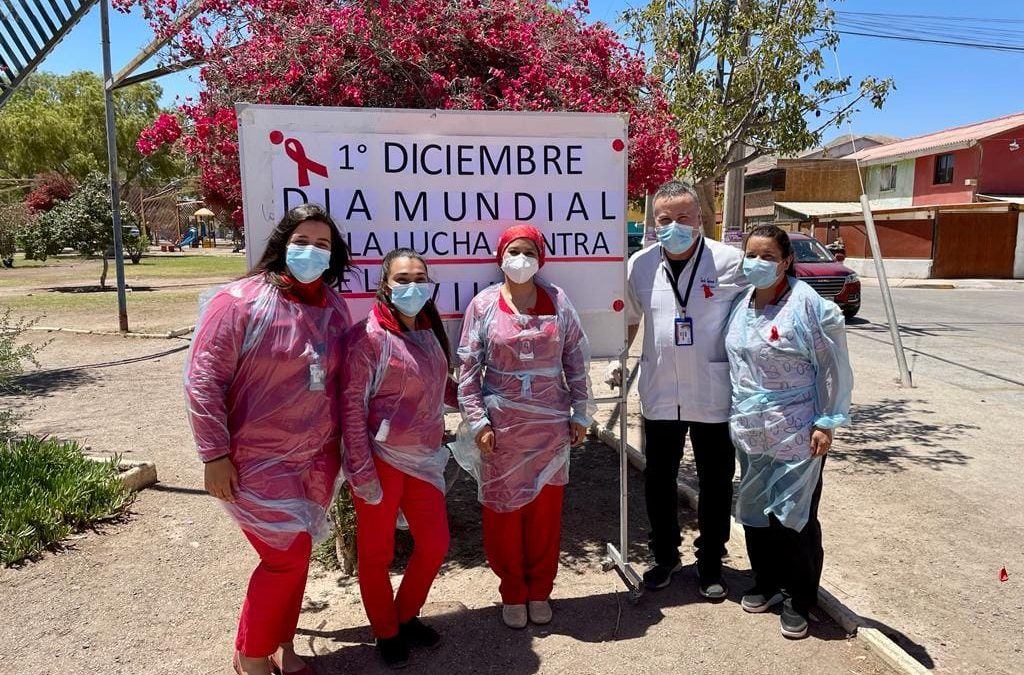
519 268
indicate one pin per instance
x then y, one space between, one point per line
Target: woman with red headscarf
525 395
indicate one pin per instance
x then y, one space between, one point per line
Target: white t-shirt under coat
687 383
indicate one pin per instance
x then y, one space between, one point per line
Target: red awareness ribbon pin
775 334
707 292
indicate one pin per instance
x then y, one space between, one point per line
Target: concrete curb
80 331
885 649
948 284
135 475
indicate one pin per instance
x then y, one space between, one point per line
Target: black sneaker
660 576
418 634
793 624
756 601
394 651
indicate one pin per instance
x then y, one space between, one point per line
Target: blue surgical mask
676 238
410 298
761 273
307 263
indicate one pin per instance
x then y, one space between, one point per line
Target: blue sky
937 86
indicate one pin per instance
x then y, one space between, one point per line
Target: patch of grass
48 490
184 266
151 311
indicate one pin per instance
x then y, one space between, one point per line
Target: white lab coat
687 383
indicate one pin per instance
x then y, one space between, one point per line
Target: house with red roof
962 165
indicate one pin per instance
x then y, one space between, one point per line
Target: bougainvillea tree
450 54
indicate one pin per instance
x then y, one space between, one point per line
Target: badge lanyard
683 323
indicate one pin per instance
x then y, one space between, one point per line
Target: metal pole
883 283
115 188
623 461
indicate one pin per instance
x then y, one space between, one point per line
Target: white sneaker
514 616
540 612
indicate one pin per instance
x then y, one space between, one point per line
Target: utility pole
115 188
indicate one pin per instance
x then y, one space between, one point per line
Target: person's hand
485 440
613 375
821 441
221 479
577 434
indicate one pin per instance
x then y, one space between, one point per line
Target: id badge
317 376
526 350
684 332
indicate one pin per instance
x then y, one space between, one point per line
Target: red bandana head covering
521 232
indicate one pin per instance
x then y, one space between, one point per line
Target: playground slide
187 239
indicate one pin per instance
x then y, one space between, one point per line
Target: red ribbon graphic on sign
293 148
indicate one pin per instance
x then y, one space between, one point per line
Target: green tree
747 73
57 123
84 222
12 219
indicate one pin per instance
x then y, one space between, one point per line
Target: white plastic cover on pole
447 183
883 284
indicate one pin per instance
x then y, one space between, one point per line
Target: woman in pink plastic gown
261 383
524 390
395 382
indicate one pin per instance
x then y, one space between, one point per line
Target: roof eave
922 152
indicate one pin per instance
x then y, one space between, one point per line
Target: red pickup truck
826 274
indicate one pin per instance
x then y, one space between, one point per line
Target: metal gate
977 245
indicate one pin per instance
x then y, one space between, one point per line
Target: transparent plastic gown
790 372
392 405
261 385
527 377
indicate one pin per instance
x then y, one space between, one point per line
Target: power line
949 43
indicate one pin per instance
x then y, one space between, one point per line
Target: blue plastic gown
527 377
790 372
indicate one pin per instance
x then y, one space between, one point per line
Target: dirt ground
160 591
922 507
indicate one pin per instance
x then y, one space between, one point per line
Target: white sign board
447 183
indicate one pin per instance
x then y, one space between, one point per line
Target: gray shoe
660 576
716 590
755 602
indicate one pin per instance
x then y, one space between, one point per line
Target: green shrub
12 359
135 245
339 550
49 489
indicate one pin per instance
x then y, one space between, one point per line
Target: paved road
924 504
970 338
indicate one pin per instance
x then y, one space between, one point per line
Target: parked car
826 274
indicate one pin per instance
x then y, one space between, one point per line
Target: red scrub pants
424 508
522 546
272 603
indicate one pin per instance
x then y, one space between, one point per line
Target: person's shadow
475 641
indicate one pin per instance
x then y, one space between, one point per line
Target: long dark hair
273 261
780 237
430 309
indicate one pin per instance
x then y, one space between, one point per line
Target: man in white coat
683 290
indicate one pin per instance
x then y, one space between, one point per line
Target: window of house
774 180
944 169
888 181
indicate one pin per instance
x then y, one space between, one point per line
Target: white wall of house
896 268
901 195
